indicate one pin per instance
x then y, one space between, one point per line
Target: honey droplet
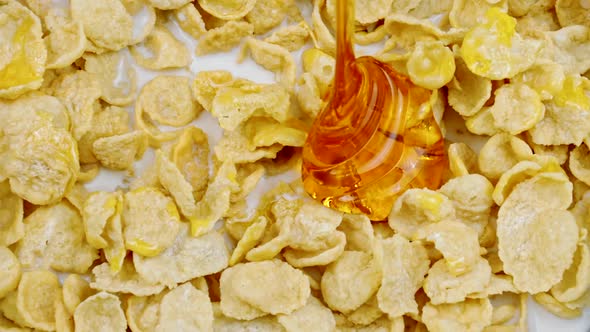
374 139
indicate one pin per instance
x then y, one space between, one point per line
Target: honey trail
376 136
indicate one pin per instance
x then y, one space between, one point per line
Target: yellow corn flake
227 10
546 79
366 314
494 49
190 20
530 109
106 23
462 159
167 100
107 122
233 106
33 303
468 92
116 76
64 321
144 19
167 4
119 152
224 38
190 154
174 182
161 50
322 36
500 153
75 290
266 132
292 37
576 279
568 47
472 198
207 83
308 95
431 65
571 12
522 171
227 324
54 238
249 240
555 307
23 59
443 286
11 216
142 312
188 258
518 8
406 31
65 42
313 316
101 213
10 271
559 152
248 177
266 14
321 66
266 287
100 312
404 265
468 13
536 235
127 280
359 232
216 201
185 308
471 315
417 208
579 163
78 91
332 249
457 242
151 221
350 281
274 58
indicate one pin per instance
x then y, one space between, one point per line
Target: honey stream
376 136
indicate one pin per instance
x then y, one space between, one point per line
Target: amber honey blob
376 137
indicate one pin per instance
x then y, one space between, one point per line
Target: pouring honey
376 136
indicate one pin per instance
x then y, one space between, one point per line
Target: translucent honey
375 138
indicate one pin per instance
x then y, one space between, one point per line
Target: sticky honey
375 138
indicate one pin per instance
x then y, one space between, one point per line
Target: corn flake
431 65
267 287
190 20
267 14
555 307
571 12
249 240
23 59
142 312
11 216
188 258
576 279
468 92
313 316
116 76
224 38
519 97
161 50
167 4
106 23
536 235
151 221
54 238
120 151
75 290
190 154
350 281
167 100
10 271
223 323
207 83
185 308
500 153
107 122
404 264
469 316
579 164
274 58
65 42
64 321
292 37
416 208
495 50
127 280
443 286
100 312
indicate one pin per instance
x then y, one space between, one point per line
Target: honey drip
376 136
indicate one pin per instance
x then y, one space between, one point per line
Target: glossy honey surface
375 138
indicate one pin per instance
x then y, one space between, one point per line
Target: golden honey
375 138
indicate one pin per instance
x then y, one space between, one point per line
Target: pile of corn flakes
176 247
